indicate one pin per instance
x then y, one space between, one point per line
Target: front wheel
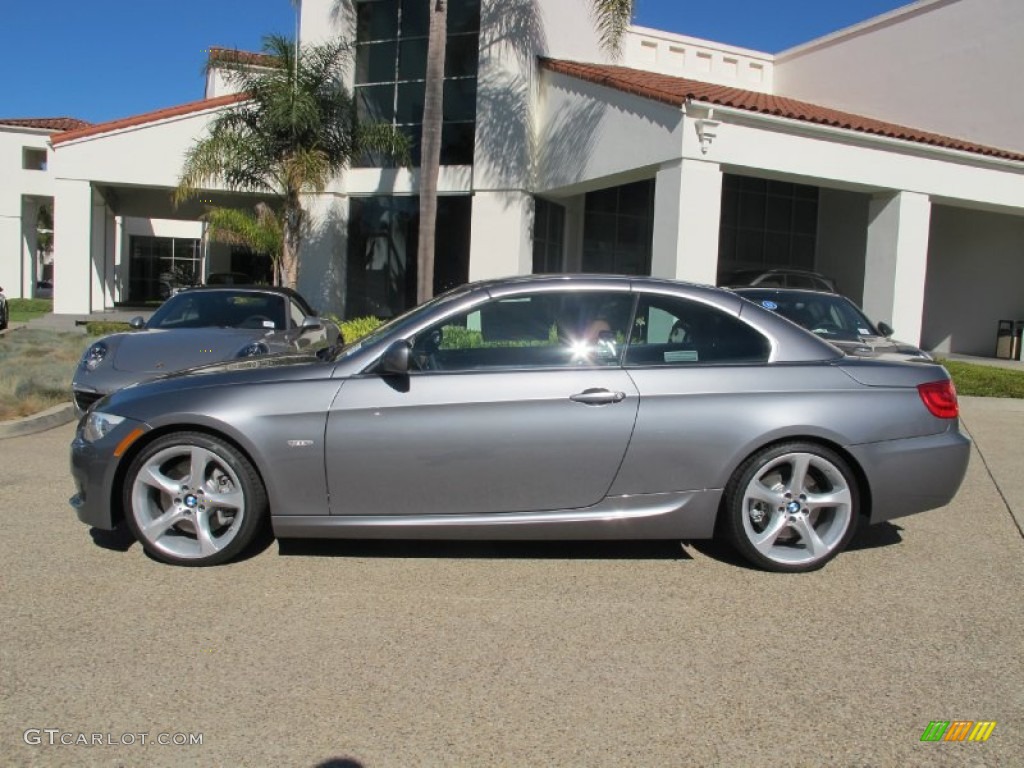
193 499
792 507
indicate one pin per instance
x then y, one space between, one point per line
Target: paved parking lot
377 654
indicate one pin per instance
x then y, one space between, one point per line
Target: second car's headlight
94 355
98 425
253 349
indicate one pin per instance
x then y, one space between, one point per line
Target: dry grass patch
36 367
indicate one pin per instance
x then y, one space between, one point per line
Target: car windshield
830 316
221 309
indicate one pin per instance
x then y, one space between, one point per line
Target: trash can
1008 339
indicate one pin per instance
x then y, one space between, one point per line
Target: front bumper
94 468
915 474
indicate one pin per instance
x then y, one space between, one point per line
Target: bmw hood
161 351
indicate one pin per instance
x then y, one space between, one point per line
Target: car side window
673 331
541 330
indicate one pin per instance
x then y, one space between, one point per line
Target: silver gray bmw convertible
561 407
199 326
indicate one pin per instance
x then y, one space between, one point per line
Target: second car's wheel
193 499
792 507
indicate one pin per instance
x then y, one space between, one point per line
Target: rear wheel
792 507
193 499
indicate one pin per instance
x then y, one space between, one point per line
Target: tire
792 507
3 317
193 524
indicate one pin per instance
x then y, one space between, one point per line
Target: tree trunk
430 148
290 241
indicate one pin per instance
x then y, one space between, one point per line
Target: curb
38 422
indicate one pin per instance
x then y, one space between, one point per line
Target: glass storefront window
390 73
382 241
618 229
766 224
157 266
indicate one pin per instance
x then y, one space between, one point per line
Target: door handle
598 397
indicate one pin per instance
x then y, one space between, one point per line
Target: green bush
105 327
356 328
23 310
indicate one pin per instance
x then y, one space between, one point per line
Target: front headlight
253 349
94 355
98 425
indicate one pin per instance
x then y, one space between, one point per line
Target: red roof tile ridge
149 117
233 55
46 123
676 91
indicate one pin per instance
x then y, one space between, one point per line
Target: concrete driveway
376 654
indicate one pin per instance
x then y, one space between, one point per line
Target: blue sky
106 59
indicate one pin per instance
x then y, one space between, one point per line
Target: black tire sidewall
254 515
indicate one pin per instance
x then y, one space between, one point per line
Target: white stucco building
887 155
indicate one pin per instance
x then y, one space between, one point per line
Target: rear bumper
915 474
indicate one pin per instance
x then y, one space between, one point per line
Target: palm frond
259 230
612 18
383 139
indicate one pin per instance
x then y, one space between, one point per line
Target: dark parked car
4 311
836 319
779 278
199 326
533 408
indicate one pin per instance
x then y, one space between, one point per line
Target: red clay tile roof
148 117
678 90
234 56
46 123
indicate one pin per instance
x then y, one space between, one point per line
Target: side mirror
395 360
886 329
137 323
312 323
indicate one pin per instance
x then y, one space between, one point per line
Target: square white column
102 253
896 261
501 238
72 247
687 215
323 257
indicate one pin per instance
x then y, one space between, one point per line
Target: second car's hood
160 351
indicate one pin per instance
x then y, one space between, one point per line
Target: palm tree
611 19
295 132
430 147
261 231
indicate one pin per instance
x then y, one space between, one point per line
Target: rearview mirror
886 329
136 323
312 323
395 360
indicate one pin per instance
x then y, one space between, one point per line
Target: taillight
940 398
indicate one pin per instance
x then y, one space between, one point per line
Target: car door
510 409
705 386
